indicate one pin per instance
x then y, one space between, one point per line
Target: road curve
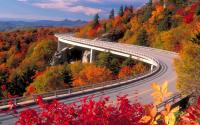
140 89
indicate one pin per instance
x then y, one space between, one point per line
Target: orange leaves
160 92
3 67
92 74
31 89
158 9
150 114
117 21
37 74
93 31
125 72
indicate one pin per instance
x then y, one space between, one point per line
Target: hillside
172 25
157 24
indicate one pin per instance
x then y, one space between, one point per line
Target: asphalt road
140 89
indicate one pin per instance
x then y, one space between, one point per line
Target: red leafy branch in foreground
88 112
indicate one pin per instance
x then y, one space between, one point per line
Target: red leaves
28 117
188 18
88 112
3 87
198 101
188 13
191 115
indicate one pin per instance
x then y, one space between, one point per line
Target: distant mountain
9 25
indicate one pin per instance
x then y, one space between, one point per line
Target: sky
61 9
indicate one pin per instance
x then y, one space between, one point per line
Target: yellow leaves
168 114
135 25
160 92
155 86
145 119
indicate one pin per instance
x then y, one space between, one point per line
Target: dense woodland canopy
25 64
166 24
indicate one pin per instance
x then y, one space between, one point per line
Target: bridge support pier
152 67
61 46
91 55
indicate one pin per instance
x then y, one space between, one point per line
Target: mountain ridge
12 24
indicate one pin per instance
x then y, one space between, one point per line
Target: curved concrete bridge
161 62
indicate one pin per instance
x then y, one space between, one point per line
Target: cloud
22 0
67 5
96 1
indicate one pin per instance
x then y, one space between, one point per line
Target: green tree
187 68
52 79
20 80
109 61
198 11
112 14
142 38
147 14
104 27
165 24
128 62
121 11
150 3
18 46
103 59
95 20
114 66
196 39
67 74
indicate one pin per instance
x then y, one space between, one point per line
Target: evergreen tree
67 75
18 46
150 3
96 20
126 8
104 27
142 38
128 62
165 24
103 59
147 14
131 8
114 66
112 14
147 11
198 11
121 11
196 39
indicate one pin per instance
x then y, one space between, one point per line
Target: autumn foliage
92 74
102 111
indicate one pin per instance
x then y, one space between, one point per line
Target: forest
172 25
25 64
